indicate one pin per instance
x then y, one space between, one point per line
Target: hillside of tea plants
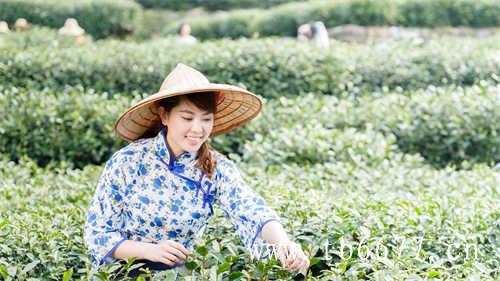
382 159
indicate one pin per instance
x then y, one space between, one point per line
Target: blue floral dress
145 194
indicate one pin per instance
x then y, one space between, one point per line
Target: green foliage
99 18
72 126
311 142
233 25
283 20
269 67
424 217
210 5
151 23
356 149
455 13
37 36
444 125
42 214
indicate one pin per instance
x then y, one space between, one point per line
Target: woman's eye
190 119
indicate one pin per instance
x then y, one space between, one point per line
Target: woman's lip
193 141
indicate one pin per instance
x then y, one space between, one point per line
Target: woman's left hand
291 256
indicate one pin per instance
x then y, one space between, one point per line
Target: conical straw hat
4 27
22 24
71 28
235 106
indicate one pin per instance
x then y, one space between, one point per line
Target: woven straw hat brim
237 108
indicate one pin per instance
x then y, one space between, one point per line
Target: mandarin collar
163 151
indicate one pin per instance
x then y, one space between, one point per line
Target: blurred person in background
72 28
320 34
4 27
21 24
184 35
314 32
304 33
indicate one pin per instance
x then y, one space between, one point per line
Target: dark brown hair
204 101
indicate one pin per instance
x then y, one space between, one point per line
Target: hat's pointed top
183 76
72 28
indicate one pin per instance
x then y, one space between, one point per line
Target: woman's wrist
147 249
274 233
131 248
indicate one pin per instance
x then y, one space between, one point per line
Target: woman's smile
193 140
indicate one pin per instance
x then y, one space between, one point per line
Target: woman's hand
291 256
168 252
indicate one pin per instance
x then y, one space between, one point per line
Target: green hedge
42 213
445 126
284 20
152 22
73 126
311 142
210 5
268 67
447 12
37 36
99 18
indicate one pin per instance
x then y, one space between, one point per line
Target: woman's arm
273 232
166 251
131 248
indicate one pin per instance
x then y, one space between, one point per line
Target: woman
184 36
156 194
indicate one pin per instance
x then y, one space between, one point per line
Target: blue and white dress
145 194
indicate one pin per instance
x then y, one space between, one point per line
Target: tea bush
446 13
75 126
99 18
270 67
283 20
425 219
445 125
311 142
356 148
210 5
37 36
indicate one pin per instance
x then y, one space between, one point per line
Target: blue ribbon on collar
207 197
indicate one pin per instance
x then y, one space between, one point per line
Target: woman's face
188 126
185 30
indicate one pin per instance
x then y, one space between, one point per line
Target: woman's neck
175 151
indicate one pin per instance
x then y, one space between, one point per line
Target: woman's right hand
168 252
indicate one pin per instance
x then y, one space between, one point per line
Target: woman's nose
197 127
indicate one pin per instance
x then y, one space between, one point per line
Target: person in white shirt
184 35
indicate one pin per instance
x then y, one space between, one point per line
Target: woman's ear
163 115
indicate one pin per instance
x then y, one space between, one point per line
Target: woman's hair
314 29
204 101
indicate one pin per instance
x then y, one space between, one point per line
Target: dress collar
163 151
178 164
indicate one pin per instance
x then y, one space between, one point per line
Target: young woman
156 194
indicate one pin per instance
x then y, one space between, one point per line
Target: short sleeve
104 224
246 209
